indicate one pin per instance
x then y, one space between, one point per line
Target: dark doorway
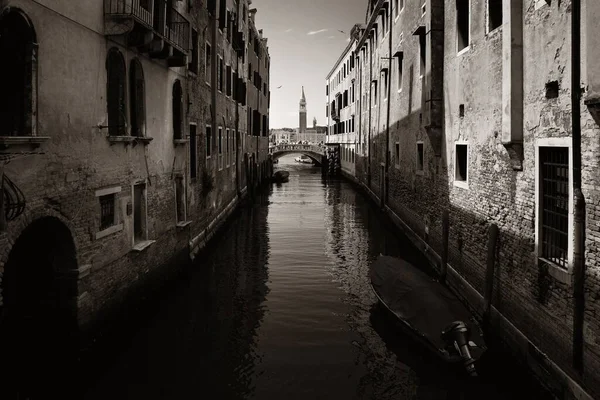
139 212
18 52
38 321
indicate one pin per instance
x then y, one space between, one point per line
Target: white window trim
487 21
554 270
185 219
142 245
117 227
210 144
220 150
205 64
461 184
417 170
466 49
220 73
227 152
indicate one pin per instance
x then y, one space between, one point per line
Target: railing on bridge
300 148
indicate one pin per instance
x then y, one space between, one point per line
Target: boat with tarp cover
428 310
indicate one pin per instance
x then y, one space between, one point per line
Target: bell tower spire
302 112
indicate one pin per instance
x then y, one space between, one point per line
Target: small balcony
128 16
152 26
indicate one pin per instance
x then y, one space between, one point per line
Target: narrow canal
280 307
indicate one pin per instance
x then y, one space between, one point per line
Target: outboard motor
457 335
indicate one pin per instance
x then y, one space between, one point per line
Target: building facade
481 116
126 143
342 103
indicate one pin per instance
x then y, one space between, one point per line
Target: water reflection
201 338
280 306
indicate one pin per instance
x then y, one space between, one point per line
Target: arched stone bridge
315 152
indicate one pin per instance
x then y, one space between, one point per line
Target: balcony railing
178 30
139 9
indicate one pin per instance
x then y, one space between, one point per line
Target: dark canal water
280 307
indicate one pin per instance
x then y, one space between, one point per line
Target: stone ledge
180 142
120 139
183 224
141 246
144 139
34 141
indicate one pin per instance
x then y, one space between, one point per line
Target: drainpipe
579 234
213 80
389 102
370 115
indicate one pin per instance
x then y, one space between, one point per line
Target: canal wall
547 372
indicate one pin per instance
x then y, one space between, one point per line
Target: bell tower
302 112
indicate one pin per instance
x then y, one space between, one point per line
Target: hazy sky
304 43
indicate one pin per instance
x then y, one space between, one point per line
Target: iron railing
139 9
177 30
14 199
298 147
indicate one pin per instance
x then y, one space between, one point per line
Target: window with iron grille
107 211
554 192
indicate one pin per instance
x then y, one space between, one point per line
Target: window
208 64
384 80
108 222
139 213
461 173
115 97
220 148
554 196
345 98
177 110
494 14
423 53
400 66
461 111
180 199
401 5
228 77
227 148
18 75
234 145
396 10
374 92
462 23
193 65
107 211
397 154
420 157
193 151
552 89
208 141
353 123
137 98
222 15
220 75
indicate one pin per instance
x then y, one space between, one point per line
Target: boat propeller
457 335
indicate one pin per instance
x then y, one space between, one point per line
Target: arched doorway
38 314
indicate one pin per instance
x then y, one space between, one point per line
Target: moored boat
428 310
281 176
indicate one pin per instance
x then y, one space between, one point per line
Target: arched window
115 96
18 74
137 96
177 110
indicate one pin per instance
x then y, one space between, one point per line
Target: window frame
559 273
469 23
464 184
420 163
117 226
208 63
